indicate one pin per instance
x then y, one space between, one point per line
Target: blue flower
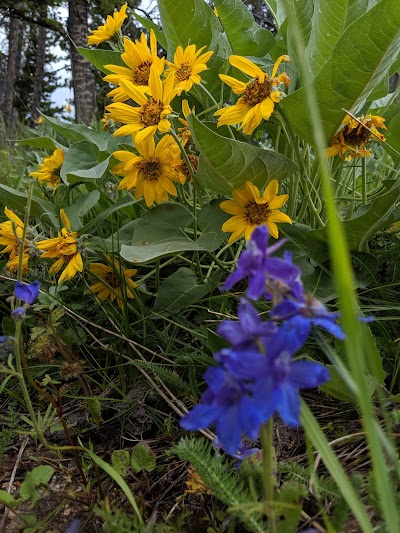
256 264
230 405
249 330
308 312
19 313
27 293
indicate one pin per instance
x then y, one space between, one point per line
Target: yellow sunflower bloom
49 171
111 279
152 173
138 57
355 135
187 65
64 247
151 113
11 233
251 209
260 94
110 29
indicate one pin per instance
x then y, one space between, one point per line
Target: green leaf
356 8
160 232
40 475
82 206
291 494
352 72
180 290
17 200
245 36
118 479
142 458
77 132
122 202
8 500
120 460
81 163
326 27
40 142
226 164
370 219
150 25
277 9
393 136
99 58
193 22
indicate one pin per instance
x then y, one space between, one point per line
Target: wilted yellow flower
151 114
152 173
138 57
11 233
64 247
110 29
187 65
251 209
259 94
112 278
49 171
355 135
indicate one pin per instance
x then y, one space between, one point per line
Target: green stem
364 180
268 462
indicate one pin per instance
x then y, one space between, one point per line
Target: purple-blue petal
307 374
330 326
228 429
289 406
200 417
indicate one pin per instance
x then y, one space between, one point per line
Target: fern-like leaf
222 480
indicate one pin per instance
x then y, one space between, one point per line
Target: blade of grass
332 463
355 343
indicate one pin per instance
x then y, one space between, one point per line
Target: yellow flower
113 276
251 209
151 173
187 65
355 134
259 94
11 233
216 12
184 133
38 120
149 116
110 29
49 171
67 108
138 58
64 247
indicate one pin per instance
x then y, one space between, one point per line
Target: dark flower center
150 113
112 279
356 136
194 161
184 72
255 213
151 168
141 73
257 91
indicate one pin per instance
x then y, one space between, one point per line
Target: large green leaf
356 66
39 142
245 36
160 232
99 58
181 289
193 22
226 164
77 132
17 200
82 206
277 10
150 25
326 27
393 136
124 201
82 163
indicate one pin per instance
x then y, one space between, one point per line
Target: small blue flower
249 330
256 264
27 293
229 405
308 312
19 313
242 452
